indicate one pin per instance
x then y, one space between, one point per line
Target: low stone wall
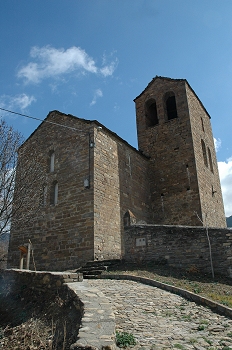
180 246
97 329
42 281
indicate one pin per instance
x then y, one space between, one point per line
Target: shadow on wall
180 246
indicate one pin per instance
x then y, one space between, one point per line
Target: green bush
201 327
124 339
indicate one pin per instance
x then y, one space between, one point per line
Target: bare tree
209 243
10 140
20 174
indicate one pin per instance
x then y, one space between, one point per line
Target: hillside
229 221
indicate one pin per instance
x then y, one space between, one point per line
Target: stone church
85 183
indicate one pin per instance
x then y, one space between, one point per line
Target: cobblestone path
162 320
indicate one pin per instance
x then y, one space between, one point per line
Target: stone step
92 272
89 277
103 262
93 268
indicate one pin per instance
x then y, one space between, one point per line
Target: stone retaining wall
180 246
38 280
97 330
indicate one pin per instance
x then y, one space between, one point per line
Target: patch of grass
201 327
181 307
150 312
222 299
124 339
229 334
207 341
204 322
192 340
170 283
222 342
168 313
179 346
186 317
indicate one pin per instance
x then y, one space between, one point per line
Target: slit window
202 124
151 113
210 160
204 153
54 193
171 107
52 161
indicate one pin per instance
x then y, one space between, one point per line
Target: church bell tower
174 131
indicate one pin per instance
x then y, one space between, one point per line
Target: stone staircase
93 269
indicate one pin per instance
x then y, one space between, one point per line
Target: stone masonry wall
208 176
173 177
120 184
42 281
180 246
107 233
62 234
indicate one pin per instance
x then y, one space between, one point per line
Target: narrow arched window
210 160
202 124
204 153
54 193
171 107
151 113
52 161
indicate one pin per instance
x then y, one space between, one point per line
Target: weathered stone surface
182 247
86 183
181 183
162 320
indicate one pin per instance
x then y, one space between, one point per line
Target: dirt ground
33 320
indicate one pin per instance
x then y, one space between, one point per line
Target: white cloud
109 70
217 144
21 101
225 172
51 62
97 93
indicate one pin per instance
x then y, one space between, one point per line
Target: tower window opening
151 113
171 107
210 160
204 153
202 124
52 161
54 193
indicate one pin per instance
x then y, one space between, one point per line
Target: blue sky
92 58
